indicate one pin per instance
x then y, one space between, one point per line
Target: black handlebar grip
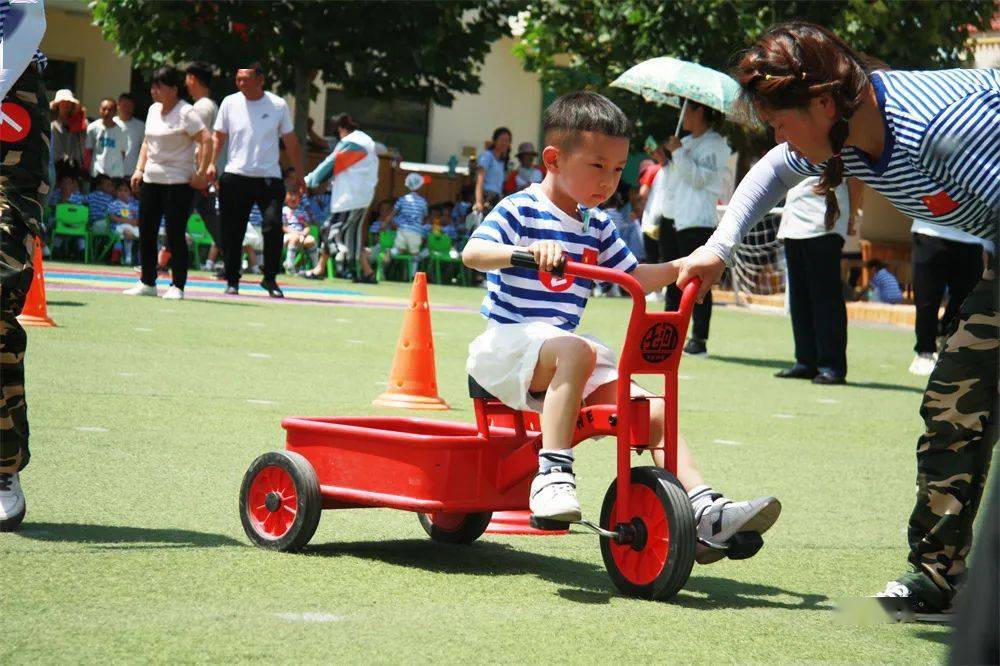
523 259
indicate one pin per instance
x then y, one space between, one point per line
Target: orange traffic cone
413 380
35 312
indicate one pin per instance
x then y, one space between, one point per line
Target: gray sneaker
732 529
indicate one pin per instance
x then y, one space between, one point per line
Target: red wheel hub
449 522
272 503
642 566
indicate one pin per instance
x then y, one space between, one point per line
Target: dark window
397 123
61 74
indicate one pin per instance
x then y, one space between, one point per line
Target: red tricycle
455 475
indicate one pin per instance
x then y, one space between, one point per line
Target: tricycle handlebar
523 259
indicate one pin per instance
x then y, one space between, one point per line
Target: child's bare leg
564 366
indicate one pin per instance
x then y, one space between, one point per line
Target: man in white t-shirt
106 143
252 121
134 128
197 79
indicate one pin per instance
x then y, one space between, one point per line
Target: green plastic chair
71 221
104 240
386 239
200 237
439 254
302 257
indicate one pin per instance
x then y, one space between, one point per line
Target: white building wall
101 72
509 97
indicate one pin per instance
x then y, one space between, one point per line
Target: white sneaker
654 297
719 521
208 266
12 504
140 289
553 497
289 267
173 294
923 364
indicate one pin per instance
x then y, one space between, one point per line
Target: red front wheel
280 502
658 560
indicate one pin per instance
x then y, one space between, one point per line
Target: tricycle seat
477 392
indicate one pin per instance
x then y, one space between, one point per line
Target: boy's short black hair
583 111
169 77
875 264
127 96
201 71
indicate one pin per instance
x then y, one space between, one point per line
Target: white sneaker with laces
12 504
173 294
140 289
717 522
553 496
923 364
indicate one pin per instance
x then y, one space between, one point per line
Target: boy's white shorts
127 231
408 241
253 238
503 359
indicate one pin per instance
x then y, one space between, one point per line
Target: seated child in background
124 215
530 358
99 201
253 240
882 286
295 223
411 210
68 192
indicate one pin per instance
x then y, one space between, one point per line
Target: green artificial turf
146 413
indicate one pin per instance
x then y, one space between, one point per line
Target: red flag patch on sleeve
939 204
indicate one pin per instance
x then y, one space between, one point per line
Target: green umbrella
669 81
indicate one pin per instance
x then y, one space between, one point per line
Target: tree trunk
303 81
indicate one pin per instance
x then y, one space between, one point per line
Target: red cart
455 475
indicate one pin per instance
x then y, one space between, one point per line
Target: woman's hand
199 181
211 173
672 144
704 264
136 180
548 254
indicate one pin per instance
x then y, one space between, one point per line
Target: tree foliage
588 43
418 50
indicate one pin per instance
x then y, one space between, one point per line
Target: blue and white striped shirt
411 209
99 202
941 160
255 217
886 288
521 295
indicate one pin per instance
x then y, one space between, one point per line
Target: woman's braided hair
790 65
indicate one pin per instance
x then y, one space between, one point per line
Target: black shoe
367 279
272 288
696 347
828 378
232 290
797 372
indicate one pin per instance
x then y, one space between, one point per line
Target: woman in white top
815 289
695 179
166 178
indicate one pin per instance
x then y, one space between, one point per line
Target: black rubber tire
680 518
308 500
471 528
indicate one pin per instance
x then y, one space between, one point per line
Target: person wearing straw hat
526 172
24 188
66 144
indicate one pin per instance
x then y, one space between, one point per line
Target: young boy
124 214
295 224
253 240
99 201
411 210
882 285
530 358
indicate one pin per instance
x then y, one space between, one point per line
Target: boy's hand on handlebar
704 264
548 254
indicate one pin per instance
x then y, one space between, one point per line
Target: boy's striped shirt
941 160
411 209
519 295
99 202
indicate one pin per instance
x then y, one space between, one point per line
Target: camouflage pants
24 188
960 412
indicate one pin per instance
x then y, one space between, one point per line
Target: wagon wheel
280 501
656 565
455 527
